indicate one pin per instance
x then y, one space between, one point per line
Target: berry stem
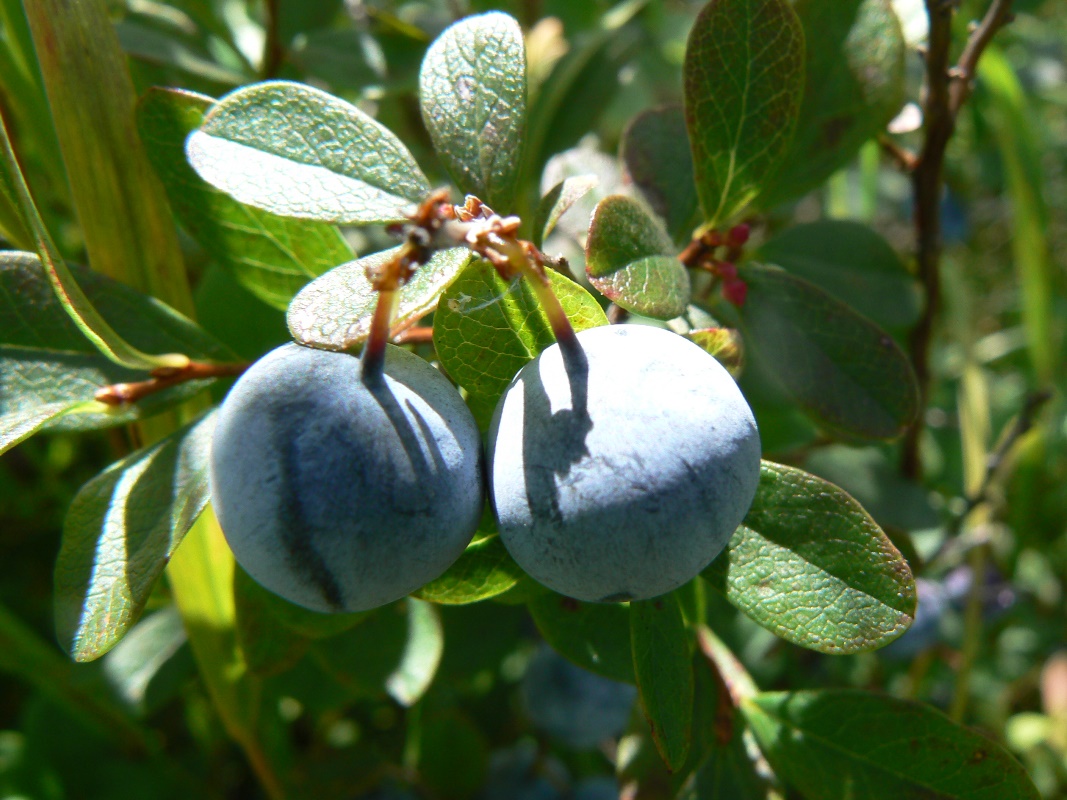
373 364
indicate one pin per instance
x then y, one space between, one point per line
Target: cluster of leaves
777 97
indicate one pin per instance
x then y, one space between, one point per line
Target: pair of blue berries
617 470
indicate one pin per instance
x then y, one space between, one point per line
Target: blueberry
341 494
576 707
620 471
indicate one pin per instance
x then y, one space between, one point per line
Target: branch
997 16
118 394
946 91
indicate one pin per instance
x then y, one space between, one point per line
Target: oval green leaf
854 85
853 263
663 667
744 77
810 565
655 149
595 636
487 329
472 88
272 256
823 744
630 259
395 652
49 371
484 570
120 531
300 152
334 312
843 370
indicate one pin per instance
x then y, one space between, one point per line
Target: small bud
735 291
738 235
726 271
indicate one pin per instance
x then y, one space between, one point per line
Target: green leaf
50 371
21 423
723 343
273 257
334 312
853 263
810 565
845 372
744 74
272 612
484 570
119 533
300 152
200 576
71 297
137 666
630 259
558 201
655 149
472 88
595 636
873 477
272 632
639 761
824 744
1015 128
664 670
854 85
396 651
486 329
145 43
122 211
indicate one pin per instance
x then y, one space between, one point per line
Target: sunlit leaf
299 152
630 259
472 89
809 564
119 533
744 73
334 312
273 257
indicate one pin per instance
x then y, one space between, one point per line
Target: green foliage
844 371
120 531
817 742
744 69
473 93
272 256
299 152
334 312
810 564
298 193
630 260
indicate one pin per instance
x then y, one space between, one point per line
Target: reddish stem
163 378
373 365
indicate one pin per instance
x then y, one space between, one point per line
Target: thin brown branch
119 394
415 335
904 158
273 49
946 90
997 16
